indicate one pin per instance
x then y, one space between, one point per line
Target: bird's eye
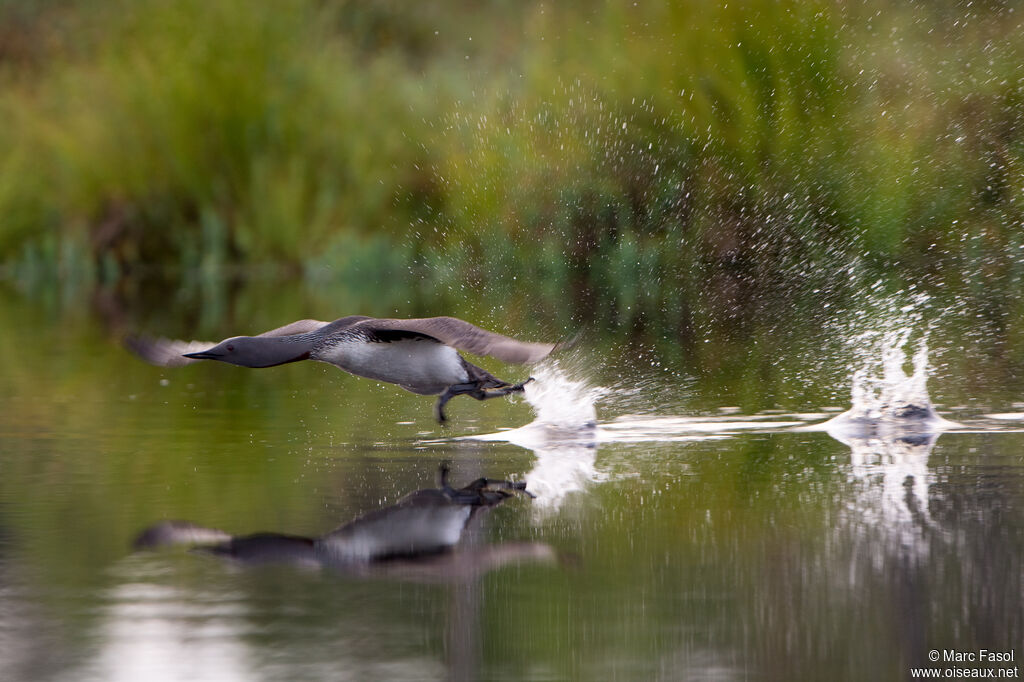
231 348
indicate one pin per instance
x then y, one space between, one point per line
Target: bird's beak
202 355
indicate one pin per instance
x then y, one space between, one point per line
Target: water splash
563 436
891 426
893 394
883 395
560 401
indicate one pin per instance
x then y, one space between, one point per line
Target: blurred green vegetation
666 163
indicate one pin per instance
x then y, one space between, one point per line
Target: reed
628 153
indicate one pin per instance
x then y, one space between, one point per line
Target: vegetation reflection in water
708 540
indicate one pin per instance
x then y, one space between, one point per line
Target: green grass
196 130
635 155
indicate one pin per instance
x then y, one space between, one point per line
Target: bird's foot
504 390
520 387
439 414
448 394
473 391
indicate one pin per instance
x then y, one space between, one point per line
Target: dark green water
698 537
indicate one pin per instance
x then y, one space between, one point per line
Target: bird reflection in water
417 538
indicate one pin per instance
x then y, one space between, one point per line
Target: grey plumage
464 336
164 352
417 354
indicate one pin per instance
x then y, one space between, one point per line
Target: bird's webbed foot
504 390
473 390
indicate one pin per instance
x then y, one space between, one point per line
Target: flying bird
420 355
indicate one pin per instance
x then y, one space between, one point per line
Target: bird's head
252 351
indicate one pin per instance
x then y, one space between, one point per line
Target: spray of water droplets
882 391
891 392
560 401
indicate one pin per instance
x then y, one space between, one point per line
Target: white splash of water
875 396
560 401
891 427
883 395
563 436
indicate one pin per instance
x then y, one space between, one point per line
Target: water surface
702 531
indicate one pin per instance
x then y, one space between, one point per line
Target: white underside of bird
422 366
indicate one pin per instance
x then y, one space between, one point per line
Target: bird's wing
165 352
297 327
463 336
